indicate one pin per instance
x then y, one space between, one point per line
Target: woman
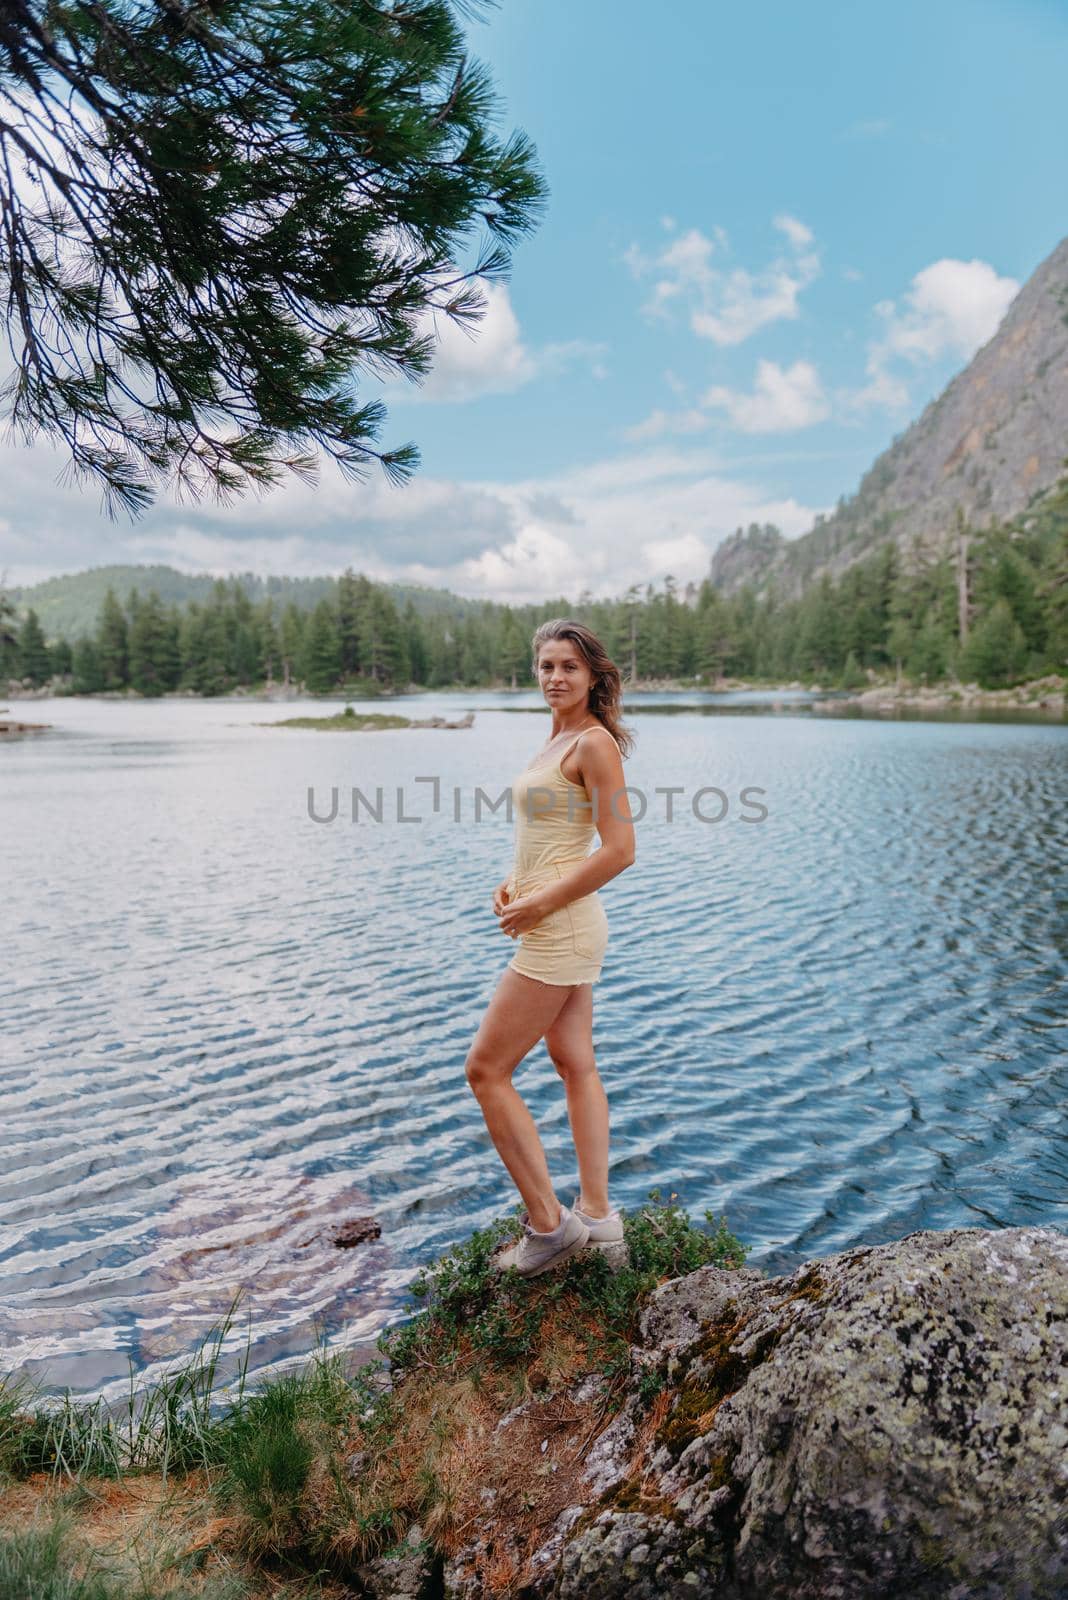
549 902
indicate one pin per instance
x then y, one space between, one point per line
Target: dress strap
578 736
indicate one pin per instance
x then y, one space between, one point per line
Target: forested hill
994 437
70 605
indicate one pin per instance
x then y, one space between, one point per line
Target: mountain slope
995 436
69 605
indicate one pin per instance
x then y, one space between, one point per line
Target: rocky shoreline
1041 694
886 1421
890 1420
1046 693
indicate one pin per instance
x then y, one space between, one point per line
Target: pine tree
1046 525
293 629
86 672
996 651
321 663
152 663
819 647
1007 573
270 644
513 650
33 658
112 643
714 633
414 645
9 636
249 204
851 675
205 648
930 650
61 658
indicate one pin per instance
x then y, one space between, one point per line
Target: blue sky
773 234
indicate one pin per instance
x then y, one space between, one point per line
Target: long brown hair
606 690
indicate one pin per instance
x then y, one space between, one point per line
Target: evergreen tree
414 645
351 600
112 643
1046 524
270 643
60 659
1006 573
628 645
512 651
930 650
33 656
288 191
715 639
205 648
245 653
86 670
851 676
819 647
153 663
293 628
9 636
384 658
996 650
321 661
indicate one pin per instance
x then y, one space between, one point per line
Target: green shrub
502 1315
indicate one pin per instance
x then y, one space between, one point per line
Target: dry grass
323 1469
151 1536
451 1455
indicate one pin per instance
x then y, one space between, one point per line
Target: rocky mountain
996 436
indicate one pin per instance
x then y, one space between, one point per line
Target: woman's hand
500 896
523 913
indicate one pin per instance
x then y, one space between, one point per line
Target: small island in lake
349 721
10 728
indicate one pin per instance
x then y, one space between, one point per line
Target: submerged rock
889 1421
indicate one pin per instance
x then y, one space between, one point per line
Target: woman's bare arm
601 767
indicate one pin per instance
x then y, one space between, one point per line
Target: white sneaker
605 1232
537 1252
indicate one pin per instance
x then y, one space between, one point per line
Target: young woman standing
549 902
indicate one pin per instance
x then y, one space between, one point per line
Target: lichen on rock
890 1420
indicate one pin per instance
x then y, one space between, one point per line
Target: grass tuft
170 1425
320 1469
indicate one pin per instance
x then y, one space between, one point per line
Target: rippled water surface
225 1025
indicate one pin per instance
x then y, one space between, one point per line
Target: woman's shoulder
593 735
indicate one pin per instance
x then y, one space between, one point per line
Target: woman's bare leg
520 1012
570 1045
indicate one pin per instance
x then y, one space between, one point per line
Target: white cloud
782 399
683 266
869 128
727 306
798 235
636 518
490 358
624 519
659 422
950 309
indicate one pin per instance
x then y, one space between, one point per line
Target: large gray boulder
886 1422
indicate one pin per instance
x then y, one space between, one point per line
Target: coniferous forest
991 609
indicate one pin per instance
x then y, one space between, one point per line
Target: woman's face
564 678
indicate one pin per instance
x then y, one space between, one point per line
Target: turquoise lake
228 1026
